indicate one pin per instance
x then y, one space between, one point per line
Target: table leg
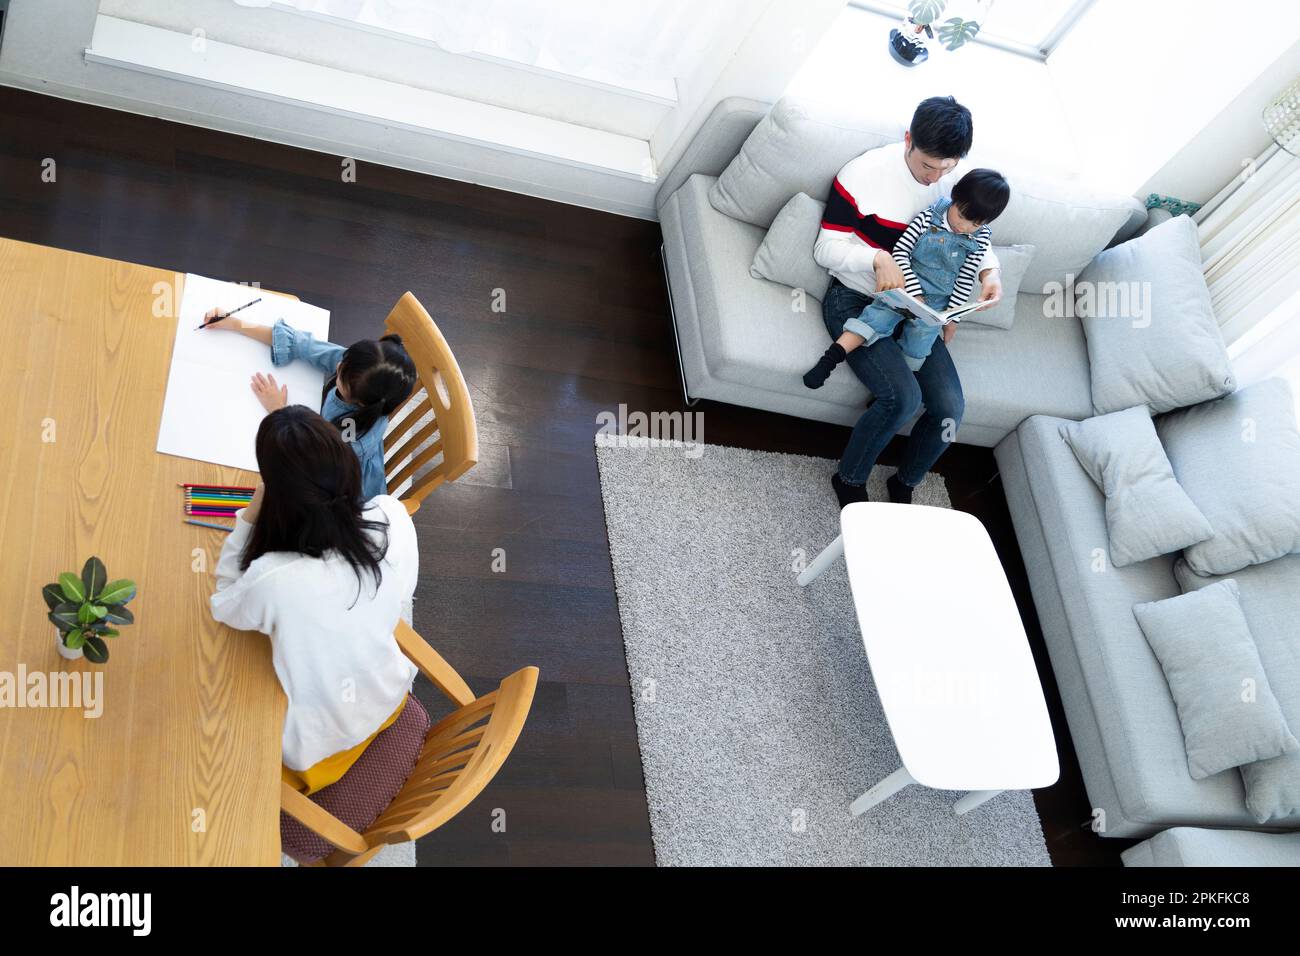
832 553
881 792
973 800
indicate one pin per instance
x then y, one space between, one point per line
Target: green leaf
71 587
119 615
117 592
106 631
96 650
98 610
84 614
64 617
956 32
93 576
53 595
925 11
75 639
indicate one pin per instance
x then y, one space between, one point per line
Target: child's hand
271 395
231 324
254 507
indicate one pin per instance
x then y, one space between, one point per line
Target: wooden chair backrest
442 391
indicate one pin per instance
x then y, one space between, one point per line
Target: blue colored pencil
208 524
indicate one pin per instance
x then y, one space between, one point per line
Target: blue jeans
899 394
879 321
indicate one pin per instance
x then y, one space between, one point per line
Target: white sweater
333 650
872 199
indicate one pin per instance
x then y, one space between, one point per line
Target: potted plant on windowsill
925 20
86 609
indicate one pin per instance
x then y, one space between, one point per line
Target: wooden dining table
182 766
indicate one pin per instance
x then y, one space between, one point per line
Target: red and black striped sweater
871 201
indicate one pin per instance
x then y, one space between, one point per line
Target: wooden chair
460 756
451 430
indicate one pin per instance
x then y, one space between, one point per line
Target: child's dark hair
380 377
942 127
312 502
981 195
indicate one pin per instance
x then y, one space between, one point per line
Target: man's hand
990 289
271 395
888 275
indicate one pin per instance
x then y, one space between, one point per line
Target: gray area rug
757 717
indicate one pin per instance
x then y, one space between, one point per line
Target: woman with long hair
326 574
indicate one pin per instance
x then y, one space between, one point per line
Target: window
1028 27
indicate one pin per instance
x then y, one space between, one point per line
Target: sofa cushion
1014 261
751 336
1147 512
786 254
1067 223
796 148
1239 459
1135 713
1270 599
1208 655
1154 341
1195 846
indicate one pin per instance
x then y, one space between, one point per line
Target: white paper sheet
210 413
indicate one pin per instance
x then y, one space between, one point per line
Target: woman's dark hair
379 375
981 195
312 500
942 127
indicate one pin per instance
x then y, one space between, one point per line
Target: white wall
1144 83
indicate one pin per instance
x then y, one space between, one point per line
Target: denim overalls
937 257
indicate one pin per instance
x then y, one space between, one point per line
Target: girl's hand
271 395
230 324
254 507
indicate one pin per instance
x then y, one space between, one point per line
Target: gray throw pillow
1270 599
1147 512
1238 458
1226 708
786 255
1014 260
1152 336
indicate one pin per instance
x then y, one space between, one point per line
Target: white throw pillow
786 255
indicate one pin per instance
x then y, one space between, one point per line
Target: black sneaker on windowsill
906 50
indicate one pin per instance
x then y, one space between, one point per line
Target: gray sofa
739 340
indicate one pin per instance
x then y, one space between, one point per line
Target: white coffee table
947 651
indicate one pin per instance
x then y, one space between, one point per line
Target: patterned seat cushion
368 787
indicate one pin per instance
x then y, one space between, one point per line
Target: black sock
899 493
816 376
848 494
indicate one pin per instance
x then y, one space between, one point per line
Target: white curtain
623 42
1250 244
1250 248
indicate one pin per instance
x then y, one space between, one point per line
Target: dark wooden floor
586 327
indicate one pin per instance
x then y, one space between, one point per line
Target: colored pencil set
215 501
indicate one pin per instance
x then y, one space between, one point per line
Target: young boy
938 254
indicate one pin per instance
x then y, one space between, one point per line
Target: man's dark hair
942 127
981 195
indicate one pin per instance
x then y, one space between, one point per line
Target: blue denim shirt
287 344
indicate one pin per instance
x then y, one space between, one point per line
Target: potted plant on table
86 609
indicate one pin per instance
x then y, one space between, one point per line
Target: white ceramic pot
66 652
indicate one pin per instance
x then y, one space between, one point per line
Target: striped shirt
965 282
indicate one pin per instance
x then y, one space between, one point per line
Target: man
872 200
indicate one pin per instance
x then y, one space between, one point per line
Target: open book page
209 412
899 300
